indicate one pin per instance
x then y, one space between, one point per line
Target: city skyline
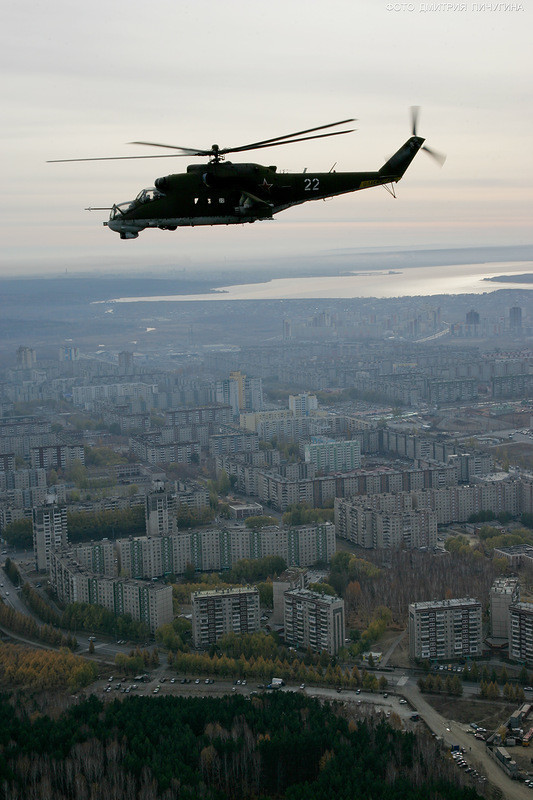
82 87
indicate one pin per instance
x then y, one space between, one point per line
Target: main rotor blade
112 158
188 150
415 111
276 143
440 158
289 136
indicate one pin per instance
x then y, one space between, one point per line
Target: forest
284 746
44 669
409 576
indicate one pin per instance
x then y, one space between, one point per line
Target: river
414 281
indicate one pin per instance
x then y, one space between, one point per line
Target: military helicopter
223 193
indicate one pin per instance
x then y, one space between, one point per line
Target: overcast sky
84 79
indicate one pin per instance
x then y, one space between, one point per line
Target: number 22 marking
311 184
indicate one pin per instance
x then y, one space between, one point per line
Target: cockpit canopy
145 196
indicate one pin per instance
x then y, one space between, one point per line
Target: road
476 751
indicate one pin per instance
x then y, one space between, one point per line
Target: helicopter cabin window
147 195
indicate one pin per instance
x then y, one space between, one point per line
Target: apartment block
191 494
56 456
220 611
303 404
22 479
151 451
314 620
147 602
445 629
160 512
209 549
451 503
372 528
334 455
292 578
97 557
233 441
219 414
503 593
49 533
521 632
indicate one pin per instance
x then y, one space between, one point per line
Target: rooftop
453 603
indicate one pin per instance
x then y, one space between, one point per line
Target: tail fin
397 164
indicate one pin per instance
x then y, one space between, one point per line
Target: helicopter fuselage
223 193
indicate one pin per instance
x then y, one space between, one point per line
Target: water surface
415 281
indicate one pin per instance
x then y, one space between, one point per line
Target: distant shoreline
414 282
525 278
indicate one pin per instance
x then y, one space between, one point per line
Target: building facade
221 611
160 513
314 620
216 549
49 533
388 528
521 632
148 602
334 455
292 578
503 593
445 629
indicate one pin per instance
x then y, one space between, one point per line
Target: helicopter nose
127 228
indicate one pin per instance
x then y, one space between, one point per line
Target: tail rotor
440 158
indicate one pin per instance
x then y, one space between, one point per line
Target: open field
516 453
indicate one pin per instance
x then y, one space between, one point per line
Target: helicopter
223 193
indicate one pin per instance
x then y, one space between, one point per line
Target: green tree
77 474
19 533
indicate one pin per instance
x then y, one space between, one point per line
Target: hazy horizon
84 85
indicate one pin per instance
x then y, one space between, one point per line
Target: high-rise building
220 611
26 357
515 319
69 353
292 578
125 362
160 512
521 632
227 393
302 404
503 593
332 455
445 629
472 318
314 620
49 533
241 392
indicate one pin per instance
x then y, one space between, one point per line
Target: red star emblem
266 185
